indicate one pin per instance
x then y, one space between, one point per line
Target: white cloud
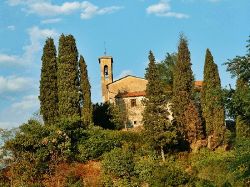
4 58
49 21
159 8
36 36
27 103
89 10
24 2
8 124
163 9
15 84
46 8
11 27
21 109
192 1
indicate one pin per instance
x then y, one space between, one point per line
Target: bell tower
106 64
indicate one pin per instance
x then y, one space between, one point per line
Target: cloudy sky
129 28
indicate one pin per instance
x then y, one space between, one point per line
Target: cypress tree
161 132
48 83
212 100
195 130
86 112
68 83
182 86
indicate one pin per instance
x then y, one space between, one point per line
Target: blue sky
129 28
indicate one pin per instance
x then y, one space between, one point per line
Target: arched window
106 73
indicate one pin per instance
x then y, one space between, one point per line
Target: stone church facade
127 91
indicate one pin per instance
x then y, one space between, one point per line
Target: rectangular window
133 102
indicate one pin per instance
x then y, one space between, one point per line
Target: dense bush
29 154
119 163
96 143
157 173
223 168
118 167
36 150
241 164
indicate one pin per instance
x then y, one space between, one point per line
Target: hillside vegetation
74 143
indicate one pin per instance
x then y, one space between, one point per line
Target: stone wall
126 84
133 106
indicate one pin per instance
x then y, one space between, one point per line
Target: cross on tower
105 50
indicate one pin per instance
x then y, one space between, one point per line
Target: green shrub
156 173
240 166
97 143
118 163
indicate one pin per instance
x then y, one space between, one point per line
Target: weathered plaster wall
126 84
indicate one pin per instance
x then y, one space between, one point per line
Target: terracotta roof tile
198 83
132 94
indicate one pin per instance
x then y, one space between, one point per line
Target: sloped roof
125 78
131 94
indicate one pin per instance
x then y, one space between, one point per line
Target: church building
127 91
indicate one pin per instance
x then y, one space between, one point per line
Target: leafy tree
30 156
182 87
161 132
212 100
37 149
119 115
87 108
48 83
68 85
195 130
166 68
239 105
102 116
239 66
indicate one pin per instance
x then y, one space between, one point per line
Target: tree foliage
240 65
212 100
195 130
30 156
158 127
183 92
48 83
239 104
104 115
68 84
87 109
166 68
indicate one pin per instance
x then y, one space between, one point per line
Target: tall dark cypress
161 132
48 83
182 86
212 100
86 111
68 84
